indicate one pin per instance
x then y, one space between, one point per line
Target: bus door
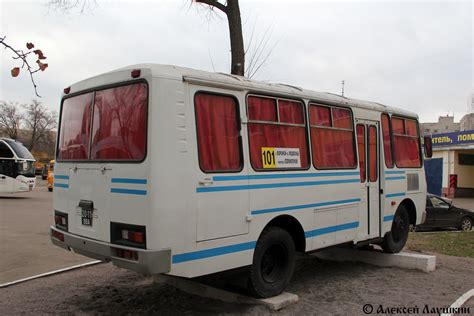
221 188
368 149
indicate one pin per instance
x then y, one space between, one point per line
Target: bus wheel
395 239
50 189
273 263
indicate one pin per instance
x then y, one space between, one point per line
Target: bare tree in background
257 52
232 10
40 121
10 119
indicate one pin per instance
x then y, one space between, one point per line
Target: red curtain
361 150
387 142
407 152
291 112
332 147
269 135
120 123
406 143
320 115
74 134
218 133
341 118
373 176
398 126
262 109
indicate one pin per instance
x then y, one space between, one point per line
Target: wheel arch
293 227
411 208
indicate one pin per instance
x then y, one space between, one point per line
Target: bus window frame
239 129
94 90
420 154
305 126
354 145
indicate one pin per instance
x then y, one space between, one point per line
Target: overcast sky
413 55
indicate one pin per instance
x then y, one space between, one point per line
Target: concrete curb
405 260
42 275
274 303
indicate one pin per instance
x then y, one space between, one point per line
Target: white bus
17 167
163 169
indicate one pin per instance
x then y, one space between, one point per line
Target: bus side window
406 141
277 134
332 137
387 141
217 123
5 152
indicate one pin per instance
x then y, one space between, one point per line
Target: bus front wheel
273 263
396 238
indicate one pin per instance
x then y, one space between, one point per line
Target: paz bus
17 167
169 170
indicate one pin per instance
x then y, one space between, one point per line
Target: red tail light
60 220
136 73
57 235
67 90
127 254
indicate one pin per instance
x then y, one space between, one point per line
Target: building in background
467 122
445 124
453 153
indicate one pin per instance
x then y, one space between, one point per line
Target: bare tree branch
214 3
19 54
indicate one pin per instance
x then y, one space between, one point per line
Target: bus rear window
75 128
119 123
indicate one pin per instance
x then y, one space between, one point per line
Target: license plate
86 217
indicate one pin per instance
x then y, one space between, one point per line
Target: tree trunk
236 38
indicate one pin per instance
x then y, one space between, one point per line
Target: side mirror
428 146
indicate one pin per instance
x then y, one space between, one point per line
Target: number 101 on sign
280 158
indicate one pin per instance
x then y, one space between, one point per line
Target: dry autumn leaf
39 53
30 45
41 65
15 71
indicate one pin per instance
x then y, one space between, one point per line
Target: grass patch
459 244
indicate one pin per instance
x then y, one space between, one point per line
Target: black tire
396 238
466 224
50 189
273 263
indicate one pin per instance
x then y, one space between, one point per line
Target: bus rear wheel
273 263
396 238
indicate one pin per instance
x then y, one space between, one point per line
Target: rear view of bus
17 167
101 177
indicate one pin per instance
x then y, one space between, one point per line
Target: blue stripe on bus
395 194
129 181
59 176
61 185
213 252
395 172
298 207
388 218
219 251
272 185
128 191
330 229
395 178
285 176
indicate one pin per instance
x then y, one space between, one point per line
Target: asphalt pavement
24 234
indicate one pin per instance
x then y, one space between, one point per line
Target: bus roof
234 82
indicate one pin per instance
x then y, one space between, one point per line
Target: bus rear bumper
148 261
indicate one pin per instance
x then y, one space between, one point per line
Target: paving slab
195 288
405 260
